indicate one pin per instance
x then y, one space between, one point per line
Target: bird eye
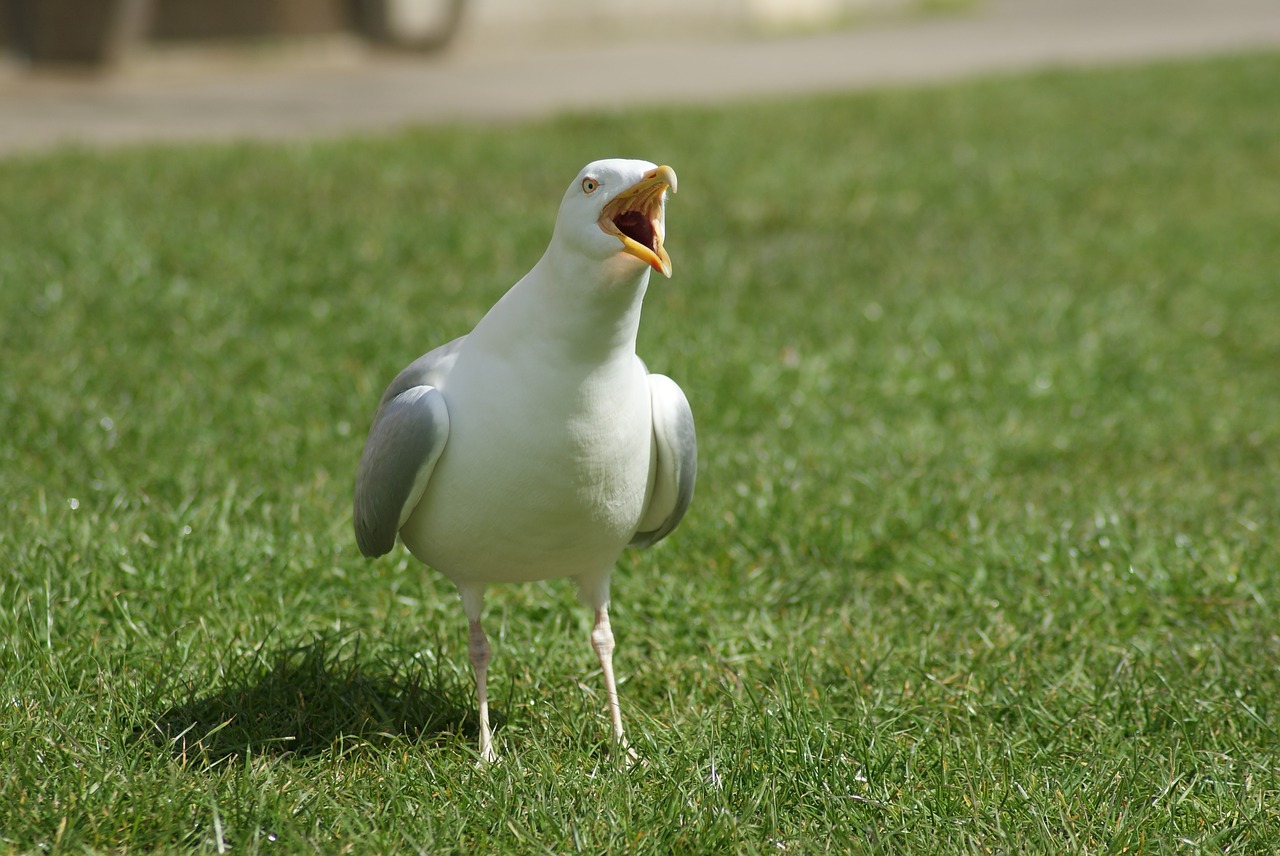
589 185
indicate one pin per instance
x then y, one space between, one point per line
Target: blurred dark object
190 20
100 32
77 32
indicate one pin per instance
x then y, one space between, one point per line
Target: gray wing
676 446
406 439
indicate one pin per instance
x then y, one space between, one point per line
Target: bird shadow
313 697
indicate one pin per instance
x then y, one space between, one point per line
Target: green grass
983 557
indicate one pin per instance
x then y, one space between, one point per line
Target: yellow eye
589 185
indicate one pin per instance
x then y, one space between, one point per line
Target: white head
616 208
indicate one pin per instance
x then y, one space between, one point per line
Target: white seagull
538 445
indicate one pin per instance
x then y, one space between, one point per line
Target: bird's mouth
634 217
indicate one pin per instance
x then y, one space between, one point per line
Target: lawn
983 555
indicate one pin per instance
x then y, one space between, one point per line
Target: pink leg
602 641
479 651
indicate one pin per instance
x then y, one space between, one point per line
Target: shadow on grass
308 699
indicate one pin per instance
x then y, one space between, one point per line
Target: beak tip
663 262
669 176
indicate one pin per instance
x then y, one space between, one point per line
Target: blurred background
101 32
103 72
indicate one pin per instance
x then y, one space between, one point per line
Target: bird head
616 208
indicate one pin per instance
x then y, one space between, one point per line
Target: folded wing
406 440
676 446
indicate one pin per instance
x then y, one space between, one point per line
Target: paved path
366 91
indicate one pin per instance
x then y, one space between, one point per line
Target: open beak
635 217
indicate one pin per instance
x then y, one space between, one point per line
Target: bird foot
628 756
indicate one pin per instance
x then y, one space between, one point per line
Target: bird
538 445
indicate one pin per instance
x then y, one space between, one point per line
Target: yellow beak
635 218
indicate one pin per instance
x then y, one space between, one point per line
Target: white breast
545 473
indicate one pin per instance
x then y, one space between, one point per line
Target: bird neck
588 309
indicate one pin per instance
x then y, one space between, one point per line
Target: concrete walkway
352 89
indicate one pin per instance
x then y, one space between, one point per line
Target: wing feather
406 439
676 470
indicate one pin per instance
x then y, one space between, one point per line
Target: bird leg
479 651
602 641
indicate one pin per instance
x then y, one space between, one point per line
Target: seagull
538 445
